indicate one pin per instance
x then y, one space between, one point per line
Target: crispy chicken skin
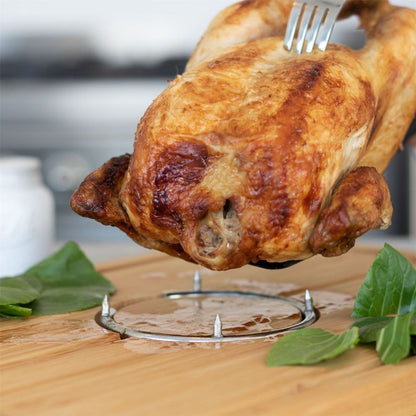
256 153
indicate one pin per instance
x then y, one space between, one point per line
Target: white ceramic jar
26 215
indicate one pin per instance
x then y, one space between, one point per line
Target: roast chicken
257 154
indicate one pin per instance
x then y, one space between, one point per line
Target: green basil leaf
19 290
67 263
14 311
370 327
389 287
69 283
310 346
68 299
393 341
64 282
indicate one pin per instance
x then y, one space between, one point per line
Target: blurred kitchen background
76 76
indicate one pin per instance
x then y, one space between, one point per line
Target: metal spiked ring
307 311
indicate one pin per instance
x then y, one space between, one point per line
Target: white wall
120 30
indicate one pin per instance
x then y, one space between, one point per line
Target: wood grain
68 365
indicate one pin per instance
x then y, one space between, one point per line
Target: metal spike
197 281
105 307
308 301
217 327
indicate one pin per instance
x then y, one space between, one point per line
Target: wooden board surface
68 365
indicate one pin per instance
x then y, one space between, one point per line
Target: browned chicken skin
256 153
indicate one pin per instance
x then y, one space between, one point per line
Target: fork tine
292 24
326 30
303 28
313 31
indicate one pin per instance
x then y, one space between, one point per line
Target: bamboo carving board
68 365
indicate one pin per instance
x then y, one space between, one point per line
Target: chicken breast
259 154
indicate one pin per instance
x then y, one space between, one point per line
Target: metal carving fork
317 19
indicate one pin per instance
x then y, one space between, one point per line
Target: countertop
67 365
